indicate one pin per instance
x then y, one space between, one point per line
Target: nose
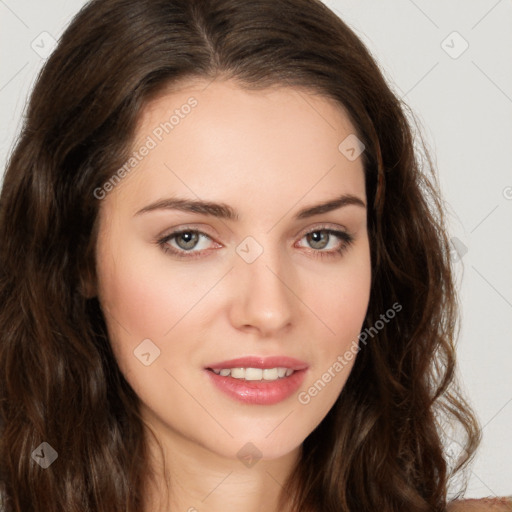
264 298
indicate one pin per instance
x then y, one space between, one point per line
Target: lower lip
258 392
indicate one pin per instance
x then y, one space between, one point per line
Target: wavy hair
380 447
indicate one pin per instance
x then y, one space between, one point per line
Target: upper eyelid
318 227
321 227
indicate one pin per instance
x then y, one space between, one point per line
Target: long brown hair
380 446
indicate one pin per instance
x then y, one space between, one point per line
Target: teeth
238 373
270 374
255 373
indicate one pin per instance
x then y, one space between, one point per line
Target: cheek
143 299
341 299
341 305
143 295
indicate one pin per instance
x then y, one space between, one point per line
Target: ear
87 270
87 285
88 290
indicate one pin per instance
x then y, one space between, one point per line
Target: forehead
219 141
225 106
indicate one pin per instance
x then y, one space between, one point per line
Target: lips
258 392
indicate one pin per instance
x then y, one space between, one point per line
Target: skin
503 504
267 154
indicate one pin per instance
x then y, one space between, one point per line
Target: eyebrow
224 211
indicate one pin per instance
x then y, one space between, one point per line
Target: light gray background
464 104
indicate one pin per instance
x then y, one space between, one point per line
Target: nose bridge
264 299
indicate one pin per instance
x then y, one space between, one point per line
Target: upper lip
260 362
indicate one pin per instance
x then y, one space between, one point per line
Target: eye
186 243
322 237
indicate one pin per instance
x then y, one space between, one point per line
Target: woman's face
260 277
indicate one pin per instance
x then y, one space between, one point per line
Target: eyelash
342 235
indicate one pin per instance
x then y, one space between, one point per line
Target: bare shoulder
503 504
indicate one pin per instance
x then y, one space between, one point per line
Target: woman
225 279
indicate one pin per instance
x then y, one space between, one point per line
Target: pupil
317 238
189 238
